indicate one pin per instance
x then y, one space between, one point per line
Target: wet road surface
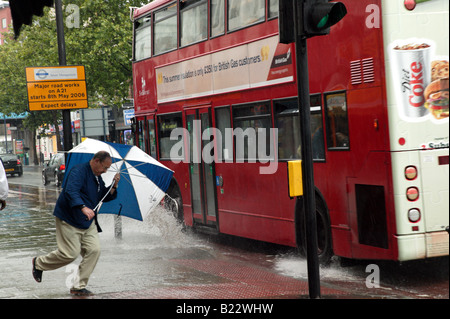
156 259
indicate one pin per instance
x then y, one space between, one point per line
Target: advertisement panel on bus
261 63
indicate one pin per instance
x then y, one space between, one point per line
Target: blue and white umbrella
143 183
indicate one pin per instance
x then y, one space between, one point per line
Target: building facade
5 19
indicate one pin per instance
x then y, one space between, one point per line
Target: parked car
54 170
12 164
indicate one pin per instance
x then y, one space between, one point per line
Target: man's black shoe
81 292
37 274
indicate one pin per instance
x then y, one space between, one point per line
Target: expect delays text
226 308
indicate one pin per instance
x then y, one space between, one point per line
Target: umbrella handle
97 208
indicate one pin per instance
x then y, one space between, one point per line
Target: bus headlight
414 215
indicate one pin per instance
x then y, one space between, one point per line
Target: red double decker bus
215 99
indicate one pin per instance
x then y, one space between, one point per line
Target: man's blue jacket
81 188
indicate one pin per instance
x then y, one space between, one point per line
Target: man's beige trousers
71 243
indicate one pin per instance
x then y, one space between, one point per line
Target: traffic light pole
67 125
310 18
309 204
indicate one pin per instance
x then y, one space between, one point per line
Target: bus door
201 168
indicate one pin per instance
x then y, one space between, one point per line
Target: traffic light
286 21
314 17
319 15
22 12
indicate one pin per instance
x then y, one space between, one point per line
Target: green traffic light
337 12
328 14
320 15
322 23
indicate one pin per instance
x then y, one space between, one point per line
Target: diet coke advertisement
411 71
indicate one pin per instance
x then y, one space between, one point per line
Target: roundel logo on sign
42 74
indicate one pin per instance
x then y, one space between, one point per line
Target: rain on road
157 259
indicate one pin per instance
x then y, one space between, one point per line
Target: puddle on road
297 267
377 278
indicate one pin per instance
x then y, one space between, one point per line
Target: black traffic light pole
309 203
299 20
67 125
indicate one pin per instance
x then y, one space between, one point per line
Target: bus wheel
324 243
173 201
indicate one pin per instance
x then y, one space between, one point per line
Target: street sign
94 122
56 88
127 116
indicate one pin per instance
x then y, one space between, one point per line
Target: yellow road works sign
56 88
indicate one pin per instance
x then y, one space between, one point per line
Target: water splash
159 229
297 267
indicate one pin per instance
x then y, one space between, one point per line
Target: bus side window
337 121
273 8
142 38
217 17
142 132
223 121
288 124
166 124
194 21
151 137
242 13
165 29
248 120
317 136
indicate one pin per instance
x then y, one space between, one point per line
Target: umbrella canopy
143 183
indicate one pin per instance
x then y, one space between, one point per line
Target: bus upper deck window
217 17
165 29
142 38
273 8
242 13
194 21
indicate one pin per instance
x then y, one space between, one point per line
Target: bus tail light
411 173
414 215
412 193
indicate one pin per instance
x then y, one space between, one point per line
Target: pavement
156 260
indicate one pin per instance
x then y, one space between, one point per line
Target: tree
101 41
